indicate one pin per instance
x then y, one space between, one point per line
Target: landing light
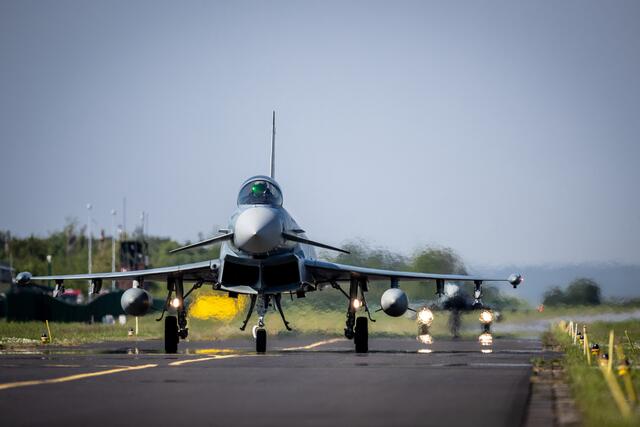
425 316
486 317
485 339
425 339
356 303
175 303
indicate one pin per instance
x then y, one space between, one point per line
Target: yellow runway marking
314 345
204 359
214 350
73 377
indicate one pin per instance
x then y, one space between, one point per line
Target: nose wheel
261 340
259 332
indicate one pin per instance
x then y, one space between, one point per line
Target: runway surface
301 381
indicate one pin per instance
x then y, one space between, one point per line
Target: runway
301 381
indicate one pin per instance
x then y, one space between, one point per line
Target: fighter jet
265 254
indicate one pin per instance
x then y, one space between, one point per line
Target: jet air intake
394 302
136 302
258 230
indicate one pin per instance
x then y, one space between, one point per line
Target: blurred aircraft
457 302
265 254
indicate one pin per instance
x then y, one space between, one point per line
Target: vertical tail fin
273 147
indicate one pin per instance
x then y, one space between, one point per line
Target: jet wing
205 270
328 271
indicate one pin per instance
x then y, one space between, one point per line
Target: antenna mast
273 147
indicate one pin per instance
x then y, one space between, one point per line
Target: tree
581 291
554 297
362 254
438 260
433 259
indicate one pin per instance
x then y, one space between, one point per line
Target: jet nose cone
258 230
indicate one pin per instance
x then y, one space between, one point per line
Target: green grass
587 382
17 334
305 321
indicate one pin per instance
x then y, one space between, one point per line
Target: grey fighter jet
265 254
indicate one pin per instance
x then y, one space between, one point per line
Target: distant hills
617 281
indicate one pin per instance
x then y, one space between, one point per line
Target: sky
507 131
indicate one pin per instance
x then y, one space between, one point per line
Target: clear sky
505 130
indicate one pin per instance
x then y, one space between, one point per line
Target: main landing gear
357 328
175 327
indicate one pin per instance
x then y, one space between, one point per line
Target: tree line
69 250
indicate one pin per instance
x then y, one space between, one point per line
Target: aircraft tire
261 340
361 337
171 334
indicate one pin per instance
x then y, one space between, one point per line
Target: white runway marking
314 345
204 359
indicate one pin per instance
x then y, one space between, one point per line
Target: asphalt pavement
301 381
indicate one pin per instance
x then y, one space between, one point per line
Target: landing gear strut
277 298
183 331
260 302
251 306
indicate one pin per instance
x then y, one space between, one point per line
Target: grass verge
588 384
328 323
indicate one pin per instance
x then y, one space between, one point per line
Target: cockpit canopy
260 191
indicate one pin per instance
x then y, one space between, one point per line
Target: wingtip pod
516 279
23 278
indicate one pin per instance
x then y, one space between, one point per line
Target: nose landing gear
261 304
259 333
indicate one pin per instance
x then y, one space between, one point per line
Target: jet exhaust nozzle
136 302
394 302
